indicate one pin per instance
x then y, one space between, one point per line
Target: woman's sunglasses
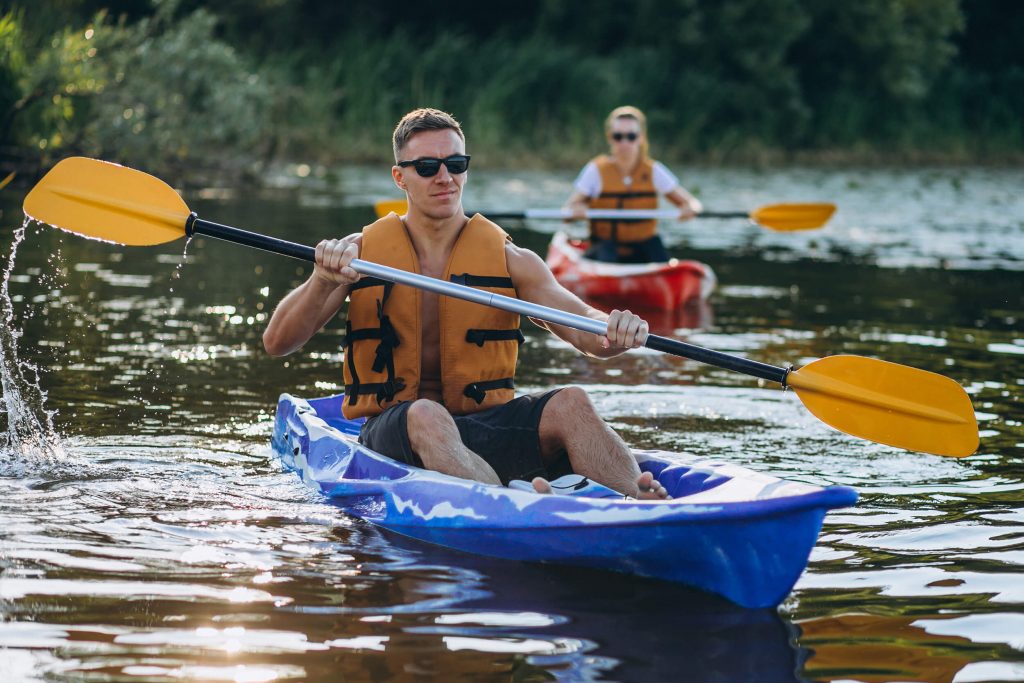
619 137
428 167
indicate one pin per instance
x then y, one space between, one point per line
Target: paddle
873 399
780 217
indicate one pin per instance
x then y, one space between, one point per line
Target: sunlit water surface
153 536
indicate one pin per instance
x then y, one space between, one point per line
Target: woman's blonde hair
628 112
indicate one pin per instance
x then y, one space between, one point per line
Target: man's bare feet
649 487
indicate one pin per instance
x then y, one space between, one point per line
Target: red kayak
665 286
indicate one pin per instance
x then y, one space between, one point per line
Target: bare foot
650 488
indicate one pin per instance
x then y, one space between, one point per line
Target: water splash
176 273
30 439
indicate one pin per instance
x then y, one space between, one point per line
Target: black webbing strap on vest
626 195
478 390
357 388
384 357
478 337
470 280
367 281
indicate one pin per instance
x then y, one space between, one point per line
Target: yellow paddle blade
383 208
889 403
786 217
108 202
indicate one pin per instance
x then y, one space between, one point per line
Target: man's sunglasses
428 167
619 137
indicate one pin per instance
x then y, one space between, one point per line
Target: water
159 540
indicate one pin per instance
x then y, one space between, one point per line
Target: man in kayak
627 178
434 374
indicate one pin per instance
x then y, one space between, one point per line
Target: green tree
866 67
161 91
178 95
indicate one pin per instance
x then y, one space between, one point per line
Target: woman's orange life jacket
479 344
616 194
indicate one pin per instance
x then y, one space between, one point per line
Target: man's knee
566 408
426 419
572 398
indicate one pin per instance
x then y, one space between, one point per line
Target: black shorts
507 437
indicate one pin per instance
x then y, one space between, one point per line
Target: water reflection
626 628
882 648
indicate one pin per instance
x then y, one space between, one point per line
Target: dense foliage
169 83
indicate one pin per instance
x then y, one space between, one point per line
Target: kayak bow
661 286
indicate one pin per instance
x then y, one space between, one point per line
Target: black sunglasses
429 166
619 137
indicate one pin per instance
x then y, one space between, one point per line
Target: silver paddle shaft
479 296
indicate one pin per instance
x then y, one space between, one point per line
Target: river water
148 534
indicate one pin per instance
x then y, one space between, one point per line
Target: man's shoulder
522 262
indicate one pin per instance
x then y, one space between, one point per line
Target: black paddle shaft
197 226
723 214
746 366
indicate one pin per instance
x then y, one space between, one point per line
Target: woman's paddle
872 399
780 217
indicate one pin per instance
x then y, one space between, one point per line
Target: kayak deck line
741 534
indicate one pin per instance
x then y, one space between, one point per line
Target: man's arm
312 304
535 283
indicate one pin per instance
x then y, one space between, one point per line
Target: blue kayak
727 529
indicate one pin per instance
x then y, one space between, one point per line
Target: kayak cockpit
742 534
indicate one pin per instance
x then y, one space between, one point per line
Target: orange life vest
479 344
616 194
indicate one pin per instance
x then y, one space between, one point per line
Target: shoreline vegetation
181 91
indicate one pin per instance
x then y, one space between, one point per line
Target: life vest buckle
474 392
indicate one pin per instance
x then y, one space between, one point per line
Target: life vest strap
382 391
470 280
384 357
361 335
626 195
478 337
368 281
478 390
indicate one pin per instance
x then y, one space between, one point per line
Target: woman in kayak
627 178
433 375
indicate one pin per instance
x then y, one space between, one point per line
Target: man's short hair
419 120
